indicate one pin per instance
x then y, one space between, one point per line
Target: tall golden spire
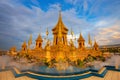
89 40
30 41
60 16
60 32
72 33
47 31
60 24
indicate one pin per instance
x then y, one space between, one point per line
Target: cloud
92 9
17 21
56 6
16 24
71 1
116 35
109 35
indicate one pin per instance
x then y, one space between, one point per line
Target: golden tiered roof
39 38
60 25
24 44
59 49
95 44
81 38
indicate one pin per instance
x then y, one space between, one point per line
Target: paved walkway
25 78
8 75
110 75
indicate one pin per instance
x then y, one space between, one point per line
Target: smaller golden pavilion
61 49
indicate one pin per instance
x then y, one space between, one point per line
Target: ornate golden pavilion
60 49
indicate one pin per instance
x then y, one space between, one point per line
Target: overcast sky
20 18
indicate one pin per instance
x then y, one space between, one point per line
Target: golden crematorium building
60 49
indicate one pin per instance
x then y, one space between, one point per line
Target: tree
80 63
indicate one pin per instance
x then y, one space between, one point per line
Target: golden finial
60 16
30 40
94 39
89 40
72 33
24 44
47 32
